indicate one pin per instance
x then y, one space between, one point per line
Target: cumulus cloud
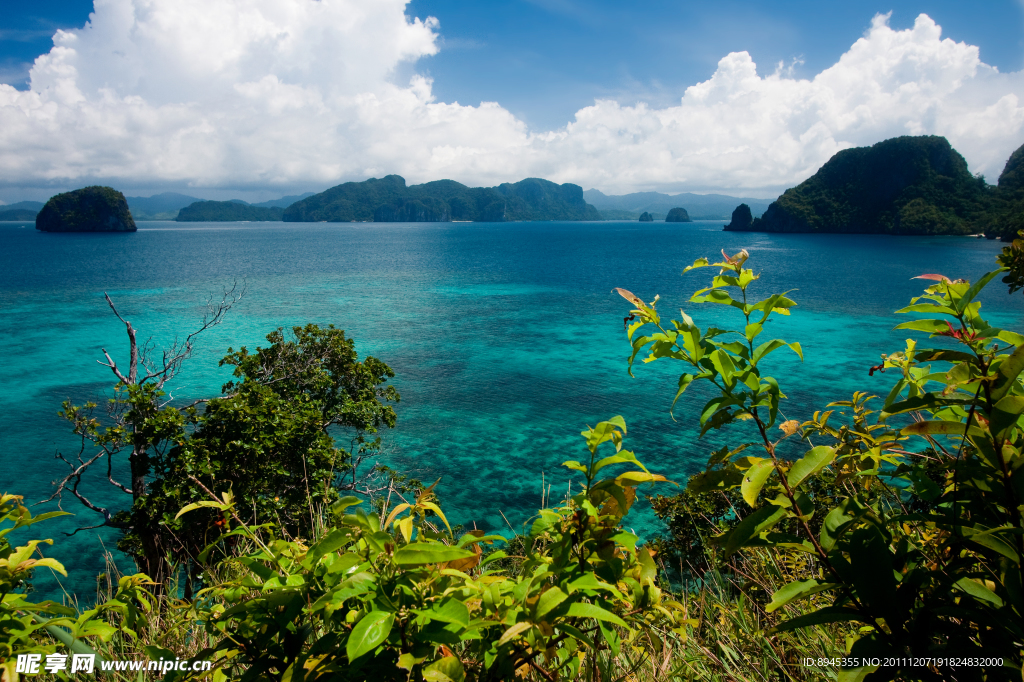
284 93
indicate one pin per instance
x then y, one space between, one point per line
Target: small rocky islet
90 209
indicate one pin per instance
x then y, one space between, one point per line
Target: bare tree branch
180 351
112 365
170 363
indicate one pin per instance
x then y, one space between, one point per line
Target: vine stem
791 496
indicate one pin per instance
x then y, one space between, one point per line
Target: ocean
506 339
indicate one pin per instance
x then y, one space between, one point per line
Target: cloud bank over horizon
289 94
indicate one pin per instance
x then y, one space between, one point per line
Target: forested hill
388 199
905 185
219 211
1005 217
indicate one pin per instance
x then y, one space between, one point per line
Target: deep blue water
506 339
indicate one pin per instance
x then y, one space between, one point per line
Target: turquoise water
505 338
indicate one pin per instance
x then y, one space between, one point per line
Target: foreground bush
401 599
918 547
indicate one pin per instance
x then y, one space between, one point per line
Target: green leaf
327 544
632 478
723 365
449 610
447 669
929 308
1005 415
1012 338
966 299
946 428
753 525
77 646
684 382
754 480
369 633
699 263
830 614
979 591
930 326
715 296
419 553
344 503
928 401
924 355
798 590
617 458
814 461
989 539
514 631
197 505
581 610
648 569
1009 370
551 598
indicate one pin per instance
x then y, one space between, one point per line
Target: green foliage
221 211
388 199
45 628
1012 258
919 540
905 185
396 597
271 439
90 209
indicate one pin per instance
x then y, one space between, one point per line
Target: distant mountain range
23 211
698 206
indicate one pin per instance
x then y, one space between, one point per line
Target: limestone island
742 219
389 199
905 185
90 209
678 215
646 217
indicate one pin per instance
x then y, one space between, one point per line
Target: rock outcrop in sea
646 217
678 215
741 219
90 209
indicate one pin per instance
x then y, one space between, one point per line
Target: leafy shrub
396 598
47 628
913 567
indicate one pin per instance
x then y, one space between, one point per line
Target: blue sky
541 61
545 59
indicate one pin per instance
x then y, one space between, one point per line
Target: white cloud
286 93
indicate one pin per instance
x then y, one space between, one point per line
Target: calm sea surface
505 338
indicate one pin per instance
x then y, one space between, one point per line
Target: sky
260 98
